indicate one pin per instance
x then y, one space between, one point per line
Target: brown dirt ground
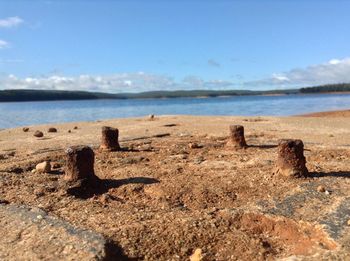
345 113
162 200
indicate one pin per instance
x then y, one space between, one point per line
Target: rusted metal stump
38 134
237 139
80 164
291 161
52 129
110 138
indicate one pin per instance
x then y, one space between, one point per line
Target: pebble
198 160
194 145
56 165
133 160
4 201
321 189
178 156
185 134
25 129
105 198
197 255
43 167
151 117
75 127
348 222
39 192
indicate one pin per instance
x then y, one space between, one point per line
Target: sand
343 113
163 199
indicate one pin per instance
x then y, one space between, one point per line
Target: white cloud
4 44
279 77
333 71
10 22
122 82
334 61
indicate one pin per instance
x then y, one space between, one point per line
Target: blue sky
122 46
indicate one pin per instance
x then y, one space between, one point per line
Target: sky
134 46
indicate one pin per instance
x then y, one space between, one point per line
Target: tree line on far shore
341 87
50 95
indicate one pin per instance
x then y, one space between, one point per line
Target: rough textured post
291 161
110 139
79 164
237 139
52 129
38 134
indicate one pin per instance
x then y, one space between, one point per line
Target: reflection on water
30 113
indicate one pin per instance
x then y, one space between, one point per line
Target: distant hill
51 95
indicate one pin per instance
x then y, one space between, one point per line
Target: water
15 114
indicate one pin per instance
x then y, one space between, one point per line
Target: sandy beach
166 198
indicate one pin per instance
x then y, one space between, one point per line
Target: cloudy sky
131 46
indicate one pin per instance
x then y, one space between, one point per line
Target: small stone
321 189
348 222
38 134
193 145
198 160
11 154
4 201
25 129
75 127
179 156
39 192
43 167
132 160
185 134
105 198
69 131
151 117
52 129
56 165
327 192
33 170
197 255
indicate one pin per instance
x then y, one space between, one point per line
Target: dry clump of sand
164 199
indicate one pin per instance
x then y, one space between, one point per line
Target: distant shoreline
56 95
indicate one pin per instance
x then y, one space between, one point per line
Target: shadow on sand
266 146
85 189
115 252
335 174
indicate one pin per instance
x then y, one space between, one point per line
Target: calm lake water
13 114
